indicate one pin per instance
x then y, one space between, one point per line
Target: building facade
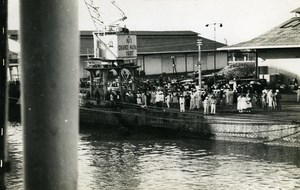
160 52
277 51
165 52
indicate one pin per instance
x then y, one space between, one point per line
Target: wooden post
50 87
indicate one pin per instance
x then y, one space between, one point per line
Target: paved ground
290 111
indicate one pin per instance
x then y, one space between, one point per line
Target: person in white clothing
239 103
197 99
298 94
182 103
244 103
271 99
159 98
213 102
168 100
206 105
192 100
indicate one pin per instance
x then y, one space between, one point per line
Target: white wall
152 65
157 64
190 65
287 67
284 61
180 64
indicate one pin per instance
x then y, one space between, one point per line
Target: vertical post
3 91
215 49
256 66
92 77
199 63
185 63
133 79
173 64
50 77
119 70
105 75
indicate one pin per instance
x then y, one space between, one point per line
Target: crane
97 16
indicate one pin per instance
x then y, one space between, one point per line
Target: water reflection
158 163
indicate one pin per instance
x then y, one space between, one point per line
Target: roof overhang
258 47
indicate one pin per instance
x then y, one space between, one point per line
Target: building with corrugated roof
155 50
277 51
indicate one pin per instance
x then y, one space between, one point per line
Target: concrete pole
105 81
92 88
256 65
3 93
133 79
49 78
199 63
215 49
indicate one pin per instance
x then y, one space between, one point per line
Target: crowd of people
192 98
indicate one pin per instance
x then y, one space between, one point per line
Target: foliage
237 71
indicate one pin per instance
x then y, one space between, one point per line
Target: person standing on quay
159 98
264 99
182 103
278 99
168 100
206 105
239 103
270 99
298 94
213 102
153 96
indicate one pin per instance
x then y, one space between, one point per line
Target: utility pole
50 76
199 43
3 93
215 47
174 66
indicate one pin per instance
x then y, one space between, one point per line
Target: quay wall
196 125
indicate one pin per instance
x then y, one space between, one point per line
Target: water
166 164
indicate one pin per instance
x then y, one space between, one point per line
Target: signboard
127 46
115 46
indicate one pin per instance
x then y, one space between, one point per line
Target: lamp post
215 45
199 43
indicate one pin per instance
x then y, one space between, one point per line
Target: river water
158 163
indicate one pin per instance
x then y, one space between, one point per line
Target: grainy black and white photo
150 95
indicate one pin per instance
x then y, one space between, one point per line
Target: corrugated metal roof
296 10
286 35
163 33
172 41
156 42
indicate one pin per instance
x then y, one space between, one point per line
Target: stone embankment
262 126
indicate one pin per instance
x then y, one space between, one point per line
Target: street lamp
215 45
199 43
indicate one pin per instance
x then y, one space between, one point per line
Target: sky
242 19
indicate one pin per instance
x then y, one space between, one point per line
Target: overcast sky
242 19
